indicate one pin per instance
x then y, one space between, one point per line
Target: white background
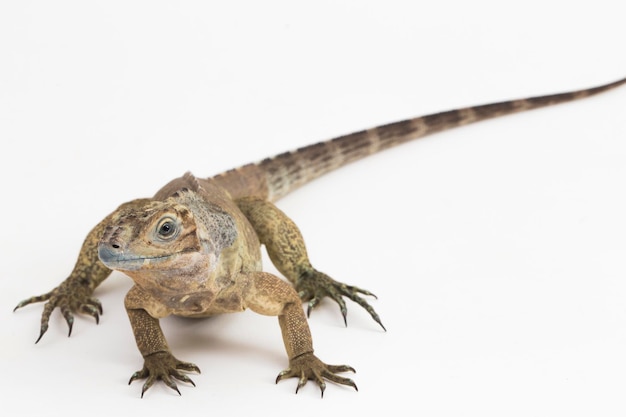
496 250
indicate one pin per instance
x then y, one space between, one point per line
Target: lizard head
167 245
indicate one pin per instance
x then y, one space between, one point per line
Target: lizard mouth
126 262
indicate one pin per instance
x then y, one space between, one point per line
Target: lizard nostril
115 246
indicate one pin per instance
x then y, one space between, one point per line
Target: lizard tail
275 177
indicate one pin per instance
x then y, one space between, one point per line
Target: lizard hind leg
285 247
315 285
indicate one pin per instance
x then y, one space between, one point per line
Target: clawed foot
163 366
313 286
308 366
71 299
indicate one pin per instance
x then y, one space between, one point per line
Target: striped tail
275 177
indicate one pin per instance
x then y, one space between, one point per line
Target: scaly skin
194 248
286 249
74 294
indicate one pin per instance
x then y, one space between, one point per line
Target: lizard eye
167 229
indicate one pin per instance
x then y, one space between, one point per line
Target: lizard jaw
126 262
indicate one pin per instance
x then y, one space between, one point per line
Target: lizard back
277 176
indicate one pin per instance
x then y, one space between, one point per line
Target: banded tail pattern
277 176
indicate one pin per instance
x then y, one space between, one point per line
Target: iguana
193 249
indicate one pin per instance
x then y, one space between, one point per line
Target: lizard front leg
74 294
286 249
269 295
159 363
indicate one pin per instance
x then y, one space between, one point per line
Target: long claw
353 294
320 381
92 311
189 367
137 375
340 380
69 318
171 384
340 368
183 377
301 382
45 318
31 300
342 307
147 385
95 303
287 373
44 329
